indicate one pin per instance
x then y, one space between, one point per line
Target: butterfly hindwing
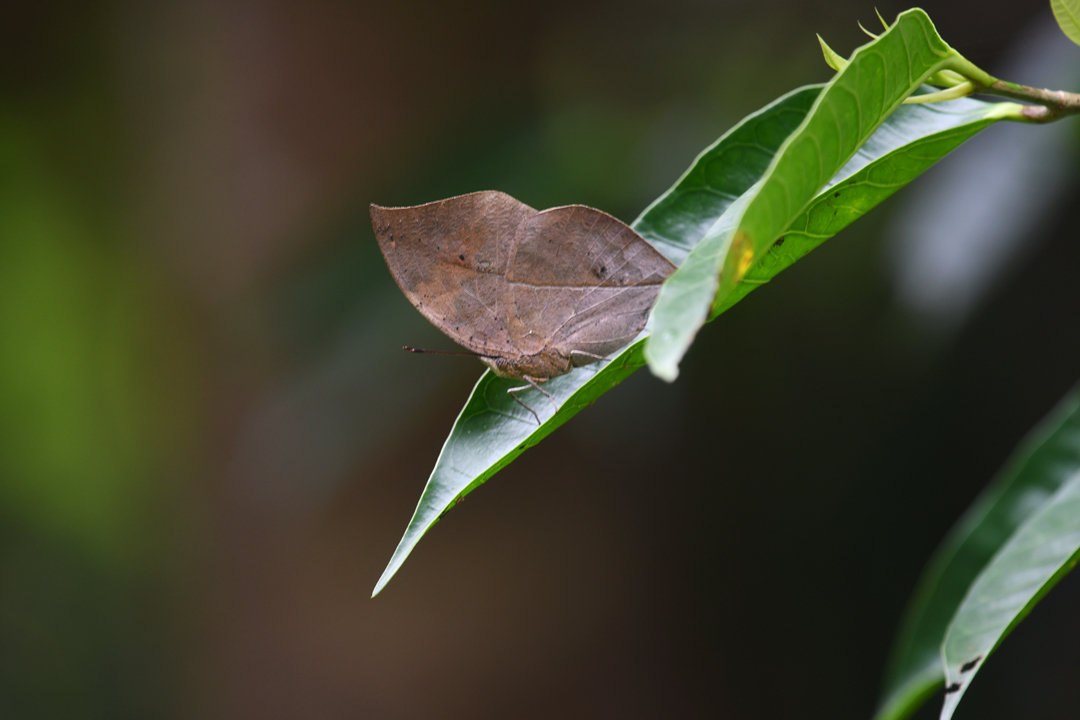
580 280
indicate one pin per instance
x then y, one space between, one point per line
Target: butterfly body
541 366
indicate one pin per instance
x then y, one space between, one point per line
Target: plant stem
1049 105
1045 105
957 91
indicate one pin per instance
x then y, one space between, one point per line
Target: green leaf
1043 550
492 430
677 220
910 141
1067 13
1041 465
876 80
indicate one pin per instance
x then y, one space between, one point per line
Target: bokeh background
210 441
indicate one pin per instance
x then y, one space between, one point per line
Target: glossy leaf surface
875 81
1043 462
1041 552
492 430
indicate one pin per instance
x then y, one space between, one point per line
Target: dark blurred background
210 441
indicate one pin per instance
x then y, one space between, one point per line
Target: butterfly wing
450 258
580 280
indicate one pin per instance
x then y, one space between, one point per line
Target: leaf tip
408 541
832 59
883 23
664 369
867 32
388 573
660 355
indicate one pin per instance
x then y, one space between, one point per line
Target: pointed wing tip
374 211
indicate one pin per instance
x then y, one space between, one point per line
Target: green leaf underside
912 140
1041 465
492 429
1067 13
1041 552
849 109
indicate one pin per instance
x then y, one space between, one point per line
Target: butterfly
533 294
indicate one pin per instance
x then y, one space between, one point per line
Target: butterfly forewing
449 258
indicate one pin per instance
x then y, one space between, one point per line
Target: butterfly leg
598 358
535 384
511 392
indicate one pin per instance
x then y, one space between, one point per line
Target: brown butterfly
533 294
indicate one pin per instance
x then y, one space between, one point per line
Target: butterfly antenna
422 351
